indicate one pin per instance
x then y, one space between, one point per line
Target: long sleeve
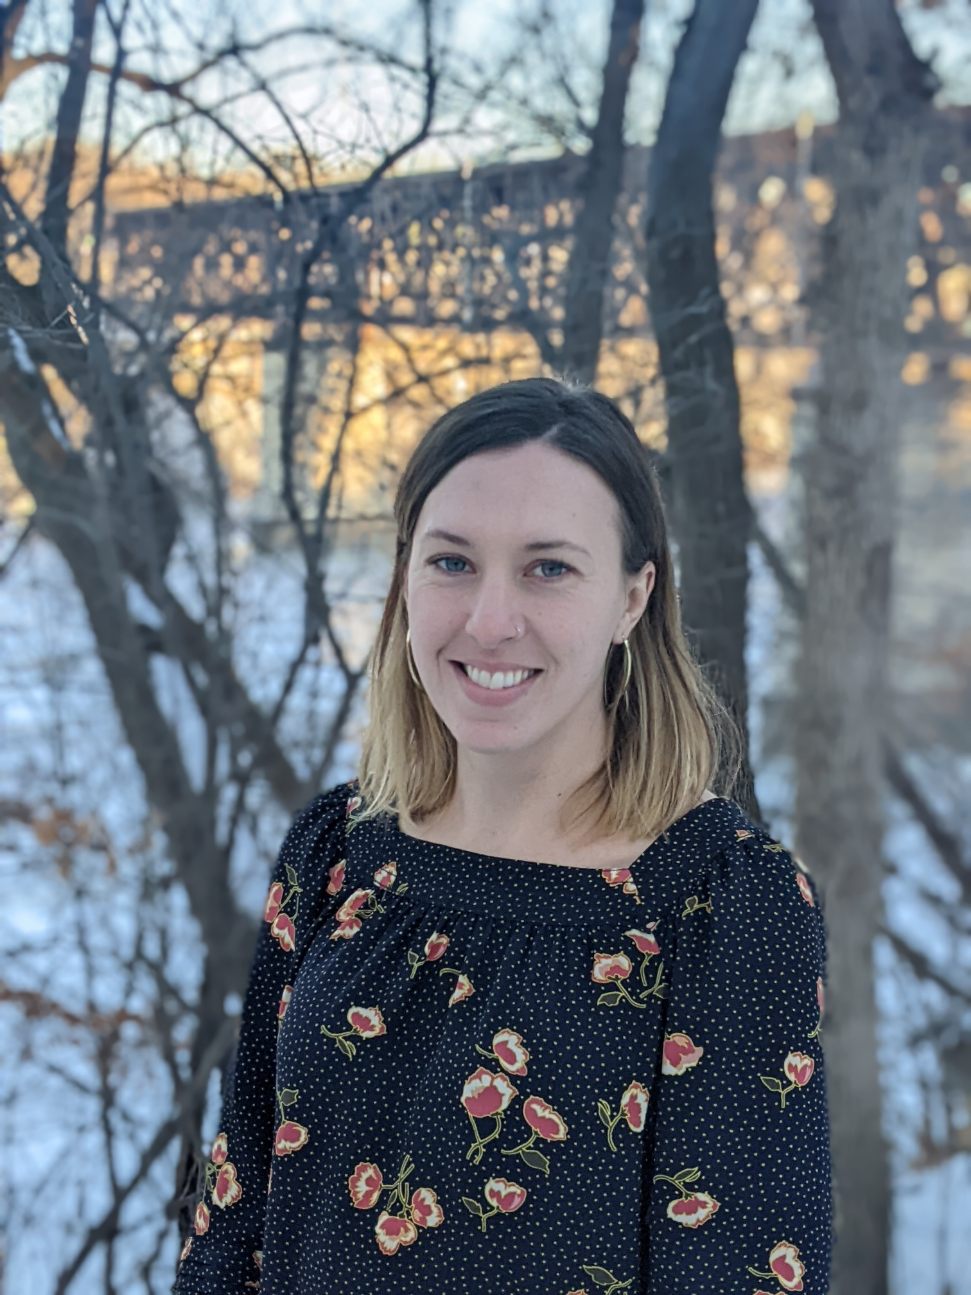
738 1168
223 1254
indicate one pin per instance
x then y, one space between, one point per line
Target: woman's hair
672 739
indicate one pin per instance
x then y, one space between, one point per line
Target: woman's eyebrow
436 533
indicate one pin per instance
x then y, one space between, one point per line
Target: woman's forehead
555 486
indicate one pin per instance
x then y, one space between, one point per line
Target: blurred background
248 255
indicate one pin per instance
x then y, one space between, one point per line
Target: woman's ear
639 592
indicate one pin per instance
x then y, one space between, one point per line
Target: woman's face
466 595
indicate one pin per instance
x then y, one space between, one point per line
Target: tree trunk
589 267
69 110
850 501
710 510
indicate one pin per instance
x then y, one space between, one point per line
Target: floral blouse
463 1073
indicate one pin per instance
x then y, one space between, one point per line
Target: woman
534 1010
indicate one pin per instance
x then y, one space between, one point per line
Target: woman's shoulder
760 879
320 823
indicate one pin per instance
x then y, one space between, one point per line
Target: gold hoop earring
409 659
628 665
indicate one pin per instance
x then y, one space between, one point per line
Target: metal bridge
485 249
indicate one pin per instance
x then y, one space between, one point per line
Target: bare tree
711 513
884 92
108 502
588 274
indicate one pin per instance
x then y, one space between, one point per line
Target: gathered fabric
459 1072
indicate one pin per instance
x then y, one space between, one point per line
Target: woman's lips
493 696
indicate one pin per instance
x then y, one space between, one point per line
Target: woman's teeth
496 681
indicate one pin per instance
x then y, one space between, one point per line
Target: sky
349 105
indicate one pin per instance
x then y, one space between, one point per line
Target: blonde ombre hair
667 741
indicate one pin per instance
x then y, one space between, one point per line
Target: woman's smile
492 696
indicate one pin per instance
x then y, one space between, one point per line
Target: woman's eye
545 562
435 562
549 562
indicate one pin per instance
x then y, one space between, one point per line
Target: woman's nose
494 616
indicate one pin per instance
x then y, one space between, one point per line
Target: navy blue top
464 1073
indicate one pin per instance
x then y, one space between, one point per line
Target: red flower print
644 941
365 1022
805 890
227 1189
504 1197
507 1045
359 904
282 924
486 1094
221 1185
798 1069
386 875
679 1053
691 1209
743 833
613 968
425 1209
353 803
633 1109
273 901
336 877
463 989
785 1266
508 1050
648 948
365 1185
285 997
290 1137
634 1106
393 1231
621 877
546 1123
543 1120
346 929
184 1252
435 946
283 932
354 902
610 966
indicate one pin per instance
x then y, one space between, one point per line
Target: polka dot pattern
462 1073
